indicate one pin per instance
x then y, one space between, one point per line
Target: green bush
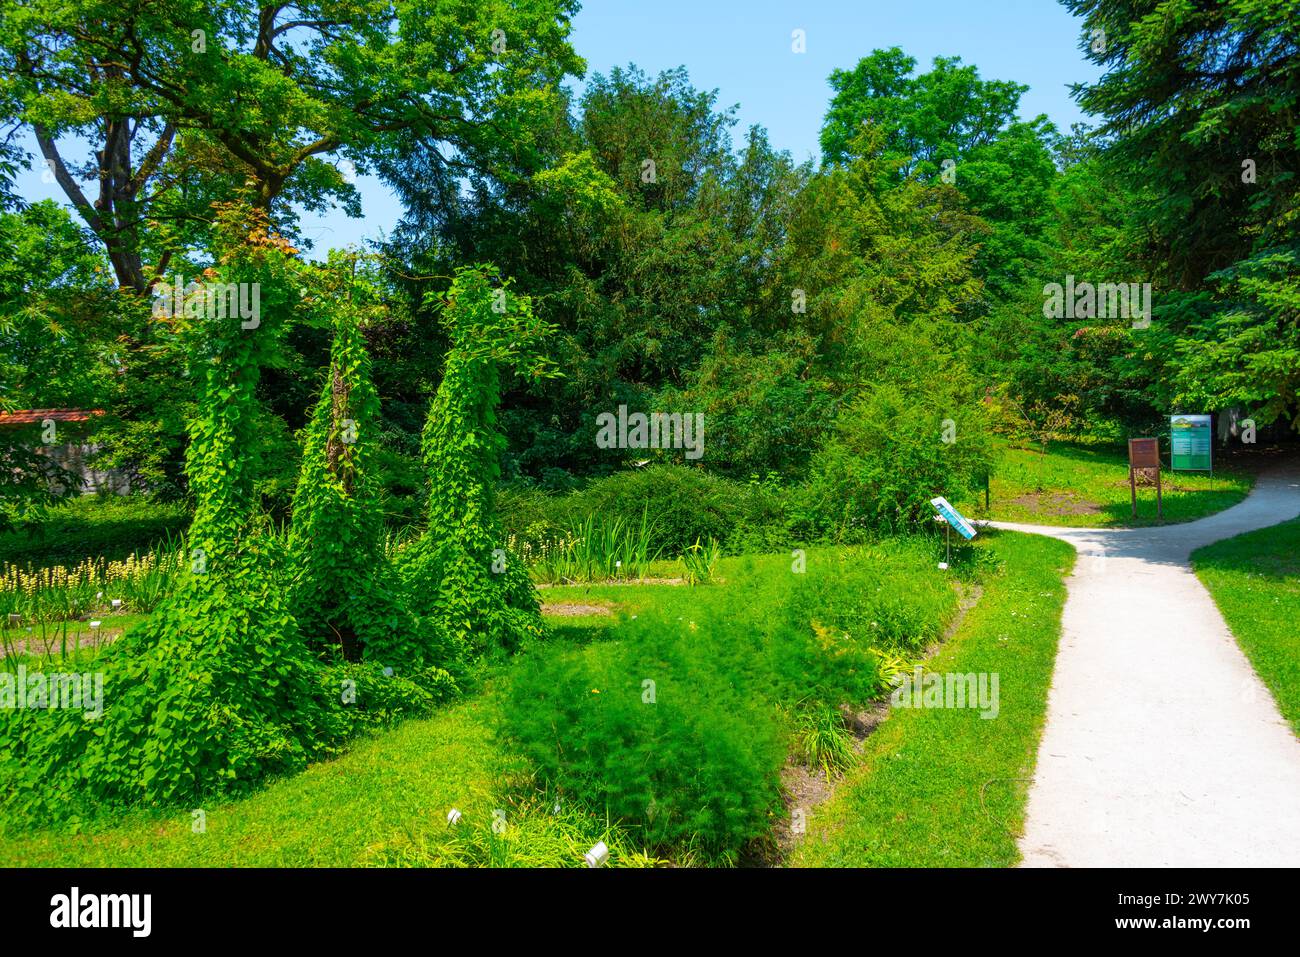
765 412
697 768
683 503
887 458
889 594
367 696
109 526
211 693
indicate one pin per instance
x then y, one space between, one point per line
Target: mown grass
1255 581
385 802
946 787
1087 486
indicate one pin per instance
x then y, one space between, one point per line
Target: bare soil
1055 503
565 610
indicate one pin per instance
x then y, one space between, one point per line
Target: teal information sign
1189 442
953 517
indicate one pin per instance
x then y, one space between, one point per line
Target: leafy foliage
216 689
458 572
343 593
676 731
887 460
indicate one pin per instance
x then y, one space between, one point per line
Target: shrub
92 526
889 594
684 503
692 761
765 412
211 693
887 459
367 696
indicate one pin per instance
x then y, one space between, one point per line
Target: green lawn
945 787
1255 581
385 802
1087 485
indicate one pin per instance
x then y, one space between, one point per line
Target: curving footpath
1162 746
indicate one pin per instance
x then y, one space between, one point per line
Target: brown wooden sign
1144 454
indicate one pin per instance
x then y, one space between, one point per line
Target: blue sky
742 48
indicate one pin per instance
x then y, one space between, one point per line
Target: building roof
32 416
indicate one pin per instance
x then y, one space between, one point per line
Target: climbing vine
458 572
216 689
342 592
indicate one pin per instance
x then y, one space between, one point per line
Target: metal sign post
953 519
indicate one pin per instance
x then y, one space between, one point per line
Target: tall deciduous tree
948 125
174 103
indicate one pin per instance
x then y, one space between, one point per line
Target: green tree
179 104
1199 107
58 325
949 125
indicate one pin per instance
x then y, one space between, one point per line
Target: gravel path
1162 746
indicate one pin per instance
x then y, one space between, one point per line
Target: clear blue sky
742 48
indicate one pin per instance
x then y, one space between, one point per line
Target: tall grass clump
823 741
599 548
701 560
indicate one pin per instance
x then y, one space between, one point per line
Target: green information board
1189 442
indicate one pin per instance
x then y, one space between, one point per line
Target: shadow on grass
583 633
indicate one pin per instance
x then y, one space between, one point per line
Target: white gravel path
1162 747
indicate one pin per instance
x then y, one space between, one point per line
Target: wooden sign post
1144 454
